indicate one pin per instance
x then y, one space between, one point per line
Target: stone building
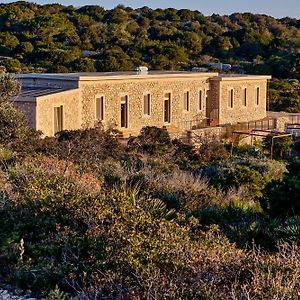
130 100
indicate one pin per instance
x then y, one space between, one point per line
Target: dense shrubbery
63 227
83 215
285 95
282 197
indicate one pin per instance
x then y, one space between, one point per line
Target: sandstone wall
28 107
70 100
113 90
239 112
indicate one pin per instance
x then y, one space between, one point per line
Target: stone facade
243 108
28 107
70 100
194 97
135 90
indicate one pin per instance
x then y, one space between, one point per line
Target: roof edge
114 76
241 77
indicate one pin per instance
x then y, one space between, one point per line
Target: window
186 101
167 108
124 111
147 103
58 119
200 99
230 98
257 95
100 108
245 97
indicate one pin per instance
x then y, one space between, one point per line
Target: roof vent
141 70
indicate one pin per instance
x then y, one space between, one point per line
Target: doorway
167 108
124 112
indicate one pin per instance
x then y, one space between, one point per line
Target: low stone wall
284 118
198 136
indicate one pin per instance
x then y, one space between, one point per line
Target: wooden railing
264 124
201 121
294 119
193 124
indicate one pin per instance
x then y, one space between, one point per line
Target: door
124 112
167 108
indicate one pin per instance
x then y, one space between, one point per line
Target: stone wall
28 107
135 89
239 112
70 100
79 105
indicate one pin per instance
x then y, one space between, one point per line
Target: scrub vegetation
83 215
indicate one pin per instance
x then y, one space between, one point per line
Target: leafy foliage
285 95
43 36
282 197
82 215
9 87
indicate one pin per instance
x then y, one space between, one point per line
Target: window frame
170 106
186 101
149 104
102 111
245 97
230 98
200 99
257 95
58 127
126 101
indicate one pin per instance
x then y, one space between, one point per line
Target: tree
8 42
12 122
8 87
12 65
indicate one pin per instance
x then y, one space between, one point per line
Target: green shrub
152 140
282 197
86 147
12 123
63 227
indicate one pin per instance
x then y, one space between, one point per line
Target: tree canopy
55 38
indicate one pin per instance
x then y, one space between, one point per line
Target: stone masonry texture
79 101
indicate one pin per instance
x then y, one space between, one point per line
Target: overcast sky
276 8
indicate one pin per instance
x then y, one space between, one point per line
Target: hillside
57 38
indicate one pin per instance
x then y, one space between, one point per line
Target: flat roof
38 92
95 76
229 77
115 75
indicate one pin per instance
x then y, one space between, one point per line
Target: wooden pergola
258 132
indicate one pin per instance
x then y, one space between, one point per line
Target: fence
194 124
294 119
264 124
200 121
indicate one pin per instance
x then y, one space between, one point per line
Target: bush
128 229
86 147
282 147
12 123
152 140
282 198
9 87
